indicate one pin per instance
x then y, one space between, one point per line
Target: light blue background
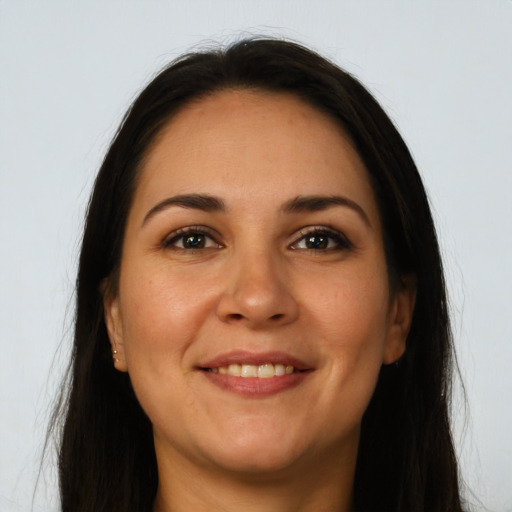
68 70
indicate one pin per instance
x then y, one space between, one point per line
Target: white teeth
265 371
262 371
234 369
279 369
249 370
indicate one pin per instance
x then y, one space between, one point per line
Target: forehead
245 143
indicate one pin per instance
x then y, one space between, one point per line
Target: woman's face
253 311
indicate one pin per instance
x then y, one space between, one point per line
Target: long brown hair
406 460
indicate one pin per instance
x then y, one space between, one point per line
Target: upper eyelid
344 242
318 229
180 232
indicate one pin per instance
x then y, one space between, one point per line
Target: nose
257 294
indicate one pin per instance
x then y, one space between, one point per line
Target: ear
114 324
400 319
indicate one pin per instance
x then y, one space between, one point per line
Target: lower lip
254 386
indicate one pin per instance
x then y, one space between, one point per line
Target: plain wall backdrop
68 71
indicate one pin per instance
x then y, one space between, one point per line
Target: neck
324 486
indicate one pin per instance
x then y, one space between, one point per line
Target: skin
256 286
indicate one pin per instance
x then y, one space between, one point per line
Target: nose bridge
257 291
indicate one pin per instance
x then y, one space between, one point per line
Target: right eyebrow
202 202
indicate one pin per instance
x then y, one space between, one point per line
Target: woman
261 314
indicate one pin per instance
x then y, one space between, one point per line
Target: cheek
351 315
162 308
161 315
161 318
352 307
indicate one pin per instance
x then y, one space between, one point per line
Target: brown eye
320 239
190 239
316 242
195 241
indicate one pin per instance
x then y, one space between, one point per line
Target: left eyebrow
319 203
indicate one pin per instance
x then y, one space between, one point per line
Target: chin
259 464
257 452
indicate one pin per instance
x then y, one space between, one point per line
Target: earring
114 352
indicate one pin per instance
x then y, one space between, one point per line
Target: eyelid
343 242
175 235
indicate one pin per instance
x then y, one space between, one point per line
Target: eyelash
340 240
181 234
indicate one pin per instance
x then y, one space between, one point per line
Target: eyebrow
202 202
298 204
319 203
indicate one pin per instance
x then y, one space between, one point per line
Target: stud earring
114 352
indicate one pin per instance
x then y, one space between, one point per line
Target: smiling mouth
261 371
255 374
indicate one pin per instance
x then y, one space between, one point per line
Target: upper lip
254 358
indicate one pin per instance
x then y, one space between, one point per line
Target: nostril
239 316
